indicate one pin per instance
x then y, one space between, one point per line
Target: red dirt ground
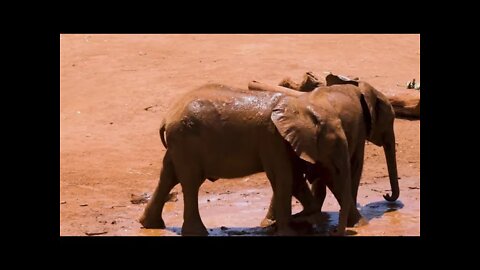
110 147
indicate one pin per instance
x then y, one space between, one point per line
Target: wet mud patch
238 212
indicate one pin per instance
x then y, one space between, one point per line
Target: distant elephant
366 114
218 131
309 82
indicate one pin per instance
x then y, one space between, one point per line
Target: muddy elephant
366 114
217 131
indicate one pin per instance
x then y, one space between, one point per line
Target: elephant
309 82
217 131
366 114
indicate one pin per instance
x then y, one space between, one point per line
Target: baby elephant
366 115
217 131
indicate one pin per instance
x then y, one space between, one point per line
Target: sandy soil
116 88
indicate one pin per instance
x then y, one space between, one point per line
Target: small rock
208 200
149 107
84 204
223 228
111 123
63 202
73 65
114 222
96 233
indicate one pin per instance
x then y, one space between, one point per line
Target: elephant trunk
390 155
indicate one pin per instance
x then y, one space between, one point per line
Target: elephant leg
302 193
354 215
319 190
356 167
321 176
305 197
269 218
280 176
152 215
192 222
341 184
283 203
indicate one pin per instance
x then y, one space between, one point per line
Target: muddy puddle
239 213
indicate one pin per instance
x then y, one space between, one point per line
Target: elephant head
379 117
305 127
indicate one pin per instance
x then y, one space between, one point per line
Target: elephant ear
378 112
332 79
298 124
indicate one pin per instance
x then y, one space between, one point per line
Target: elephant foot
194 230
152 222
266 222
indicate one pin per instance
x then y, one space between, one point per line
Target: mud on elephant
217 131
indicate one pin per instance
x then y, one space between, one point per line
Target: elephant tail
162 133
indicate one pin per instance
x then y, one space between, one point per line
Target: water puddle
239 213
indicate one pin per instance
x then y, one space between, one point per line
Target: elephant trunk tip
392 198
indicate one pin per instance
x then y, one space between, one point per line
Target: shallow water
239 213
